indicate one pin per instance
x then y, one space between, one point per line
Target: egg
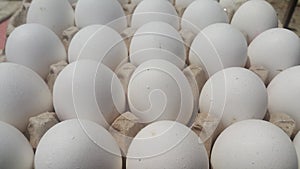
89 90
284 94
234 94
255 17
15 150
57 15
154 10
77 144
296 142
201 13
218 46
157 40
104 12
168 145
253 144
158 90
23 94
34 46
99 43
276 50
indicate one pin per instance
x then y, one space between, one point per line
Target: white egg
15 150
217 47
276 50
157 40
35 46
234 94
255 17
57 15
77 144
88 90
201 13
99 43
23 94
104 12
253 144
168 145
154 10
284 94
158 90
297 147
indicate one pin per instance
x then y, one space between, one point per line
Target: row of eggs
158 90
59 15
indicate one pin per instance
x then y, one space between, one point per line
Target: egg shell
15 150
88 90
157 40
57 15
158 90
168 145
284 94
234 94
23 94
255 17
296 142
217 47
201 13
276 50
154 10
253 144
100 43
77 144
104 12
34 46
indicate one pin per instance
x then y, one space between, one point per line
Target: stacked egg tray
149 84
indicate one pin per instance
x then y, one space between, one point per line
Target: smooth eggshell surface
253 144
23 94
201 13
154 10
35 46
255 17
234 94
57 15
88 90
157 40
99 43
284 94
15 150
168 145
276 50
217 47
77 144
158 90
104 12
